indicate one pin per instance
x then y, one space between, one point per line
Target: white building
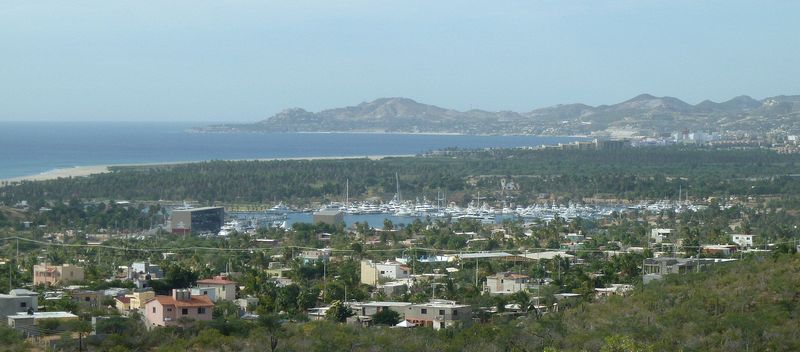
372 272
506 283
744 241
660 235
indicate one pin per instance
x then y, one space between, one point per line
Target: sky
241 61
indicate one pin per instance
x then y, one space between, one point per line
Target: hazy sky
245 60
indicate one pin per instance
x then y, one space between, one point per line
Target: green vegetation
643 173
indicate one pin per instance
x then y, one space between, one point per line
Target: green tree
386 317
338 312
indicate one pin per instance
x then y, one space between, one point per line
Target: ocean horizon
32 148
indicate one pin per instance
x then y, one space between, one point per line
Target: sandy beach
83 171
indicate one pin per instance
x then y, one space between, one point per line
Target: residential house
87 298
27 322
224 289
315 255
18 301
744 241
123 304
614 290
178 309
51 275
372 272
661 235
372 308
438 314
139 298
506 283
722 249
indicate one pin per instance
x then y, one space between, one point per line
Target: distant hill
642 115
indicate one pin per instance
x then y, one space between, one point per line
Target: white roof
483 255
43 315
548 255
405 324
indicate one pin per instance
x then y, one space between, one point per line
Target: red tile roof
194 301
124 300
216 280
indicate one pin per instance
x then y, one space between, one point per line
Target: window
383 272
154 309
87 299
185 311
441 311
169 309
424 311
201 310
23 304
455 312
223 288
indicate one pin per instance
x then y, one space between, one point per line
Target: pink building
177 309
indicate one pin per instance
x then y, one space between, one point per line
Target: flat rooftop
44 315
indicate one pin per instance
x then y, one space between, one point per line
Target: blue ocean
29 148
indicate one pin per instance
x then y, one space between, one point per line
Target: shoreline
88 170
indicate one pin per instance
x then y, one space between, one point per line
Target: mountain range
643 115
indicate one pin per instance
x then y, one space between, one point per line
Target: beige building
372 272
139 298
52 275
506 283
225 288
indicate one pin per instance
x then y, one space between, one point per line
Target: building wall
56 275
198 220
505 286
369 274
438 317
138 299
170 315
10 305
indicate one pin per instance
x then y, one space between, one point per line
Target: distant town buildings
52 275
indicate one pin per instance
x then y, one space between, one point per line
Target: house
27 322
316 255
51 275
122 303
722 249
506 283
224 289
655 268
372 308
393 288
614 290
87 298
178 309
372 272
661 235
139 298
744 241
18 301
438 314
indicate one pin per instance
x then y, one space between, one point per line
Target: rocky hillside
642 115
